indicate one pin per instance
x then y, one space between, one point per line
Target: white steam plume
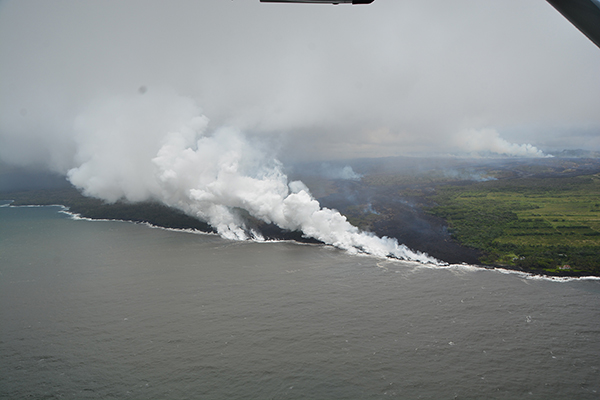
489 140
158 147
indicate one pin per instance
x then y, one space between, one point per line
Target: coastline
147 213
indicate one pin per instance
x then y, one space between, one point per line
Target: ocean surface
114 310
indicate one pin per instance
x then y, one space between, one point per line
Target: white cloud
322 80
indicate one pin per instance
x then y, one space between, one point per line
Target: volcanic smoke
160 147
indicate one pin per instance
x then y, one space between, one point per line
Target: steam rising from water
160 147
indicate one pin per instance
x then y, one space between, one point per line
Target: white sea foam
534 276
38 205
430 263
525 275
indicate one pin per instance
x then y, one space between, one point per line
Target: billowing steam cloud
489 140
159 147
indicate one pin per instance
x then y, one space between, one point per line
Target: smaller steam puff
158 147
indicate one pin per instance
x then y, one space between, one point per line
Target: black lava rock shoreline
431 237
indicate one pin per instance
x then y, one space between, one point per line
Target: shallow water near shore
114 310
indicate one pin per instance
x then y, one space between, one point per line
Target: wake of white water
159 147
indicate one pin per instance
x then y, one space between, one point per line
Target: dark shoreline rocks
144 212
409 225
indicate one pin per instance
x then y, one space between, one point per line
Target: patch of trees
491 224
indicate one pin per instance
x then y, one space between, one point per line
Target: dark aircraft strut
336 2
584 14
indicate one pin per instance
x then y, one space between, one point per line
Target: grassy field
551 224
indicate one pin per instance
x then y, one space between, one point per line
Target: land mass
540 216
143 212
535 215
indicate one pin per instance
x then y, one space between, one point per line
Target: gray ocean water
114 310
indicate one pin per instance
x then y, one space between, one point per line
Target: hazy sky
318 81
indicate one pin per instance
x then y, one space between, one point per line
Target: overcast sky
319 81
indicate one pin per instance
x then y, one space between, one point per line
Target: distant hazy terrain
533 214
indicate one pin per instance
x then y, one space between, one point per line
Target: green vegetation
547 224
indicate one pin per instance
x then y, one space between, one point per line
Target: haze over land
319 81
